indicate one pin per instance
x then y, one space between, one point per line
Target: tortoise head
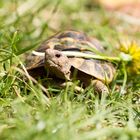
57 64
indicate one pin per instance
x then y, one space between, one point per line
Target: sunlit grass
26 112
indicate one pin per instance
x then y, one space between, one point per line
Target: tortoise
99 73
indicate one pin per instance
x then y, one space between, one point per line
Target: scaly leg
99 86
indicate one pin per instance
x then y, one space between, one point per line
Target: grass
25 112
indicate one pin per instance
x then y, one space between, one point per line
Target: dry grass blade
25 73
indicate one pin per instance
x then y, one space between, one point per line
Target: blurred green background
24 111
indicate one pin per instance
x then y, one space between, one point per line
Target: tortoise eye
58 55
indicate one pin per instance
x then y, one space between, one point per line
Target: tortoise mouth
51 63
57 70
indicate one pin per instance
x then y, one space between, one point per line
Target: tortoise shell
70 39
77 41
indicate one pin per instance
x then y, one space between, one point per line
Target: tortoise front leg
99 86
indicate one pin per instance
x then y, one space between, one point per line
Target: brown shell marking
34 62
101 70
70 39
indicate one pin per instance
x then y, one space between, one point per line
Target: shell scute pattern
101 70
70 39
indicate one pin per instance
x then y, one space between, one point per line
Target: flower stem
81 54
85 55
124 80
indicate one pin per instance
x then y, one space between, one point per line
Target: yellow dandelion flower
133 50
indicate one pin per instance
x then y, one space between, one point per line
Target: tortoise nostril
58 55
